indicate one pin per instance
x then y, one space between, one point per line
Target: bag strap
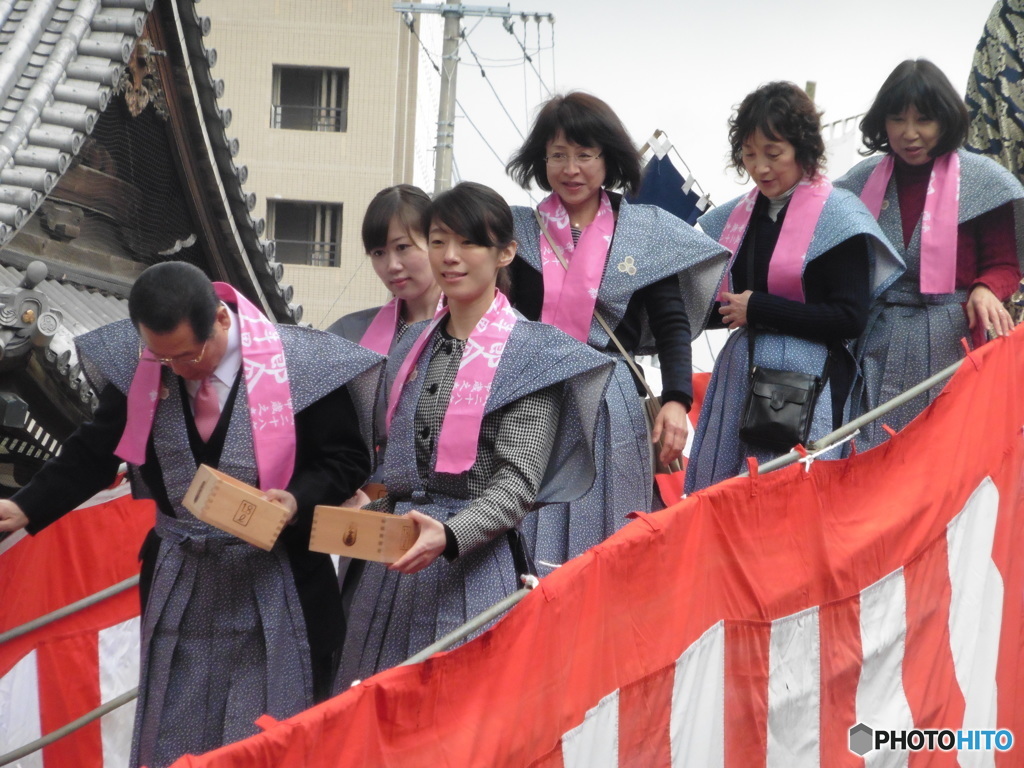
597 315
751 334
653 402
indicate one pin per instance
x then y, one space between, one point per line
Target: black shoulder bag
779 407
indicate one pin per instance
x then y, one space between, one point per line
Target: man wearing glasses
199 375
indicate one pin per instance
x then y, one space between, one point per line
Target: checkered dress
515 442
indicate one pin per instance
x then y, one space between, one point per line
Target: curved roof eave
58 71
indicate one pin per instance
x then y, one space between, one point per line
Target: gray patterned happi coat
531 451
717 452
649 245
910 335
223 639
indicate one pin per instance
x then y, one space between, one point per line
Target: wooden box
361 533
231 505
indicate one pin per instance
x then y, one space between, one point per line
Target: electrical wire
526 56
493 90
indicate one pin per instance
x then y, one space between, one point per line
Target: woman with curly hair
807 259
585 251
950 215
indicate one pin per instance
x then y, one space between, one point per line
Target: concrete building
323 99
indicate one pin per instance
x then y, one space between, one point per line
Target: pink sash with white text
785 270
460 430
938 222
266 382
381 332
571 294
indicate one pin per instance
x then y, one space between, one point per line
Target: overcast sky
682 67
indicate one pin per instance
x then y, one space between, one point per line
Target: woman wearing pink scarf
950 215
489 414
807 260
398 253
650 276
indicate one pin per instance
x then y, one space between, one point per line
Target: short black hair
780 110
921 84
478 213
166 294
587 121
474 211
404 201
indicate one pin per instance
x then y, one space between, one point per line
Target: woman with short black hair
650 276
950 214
807 259
488 415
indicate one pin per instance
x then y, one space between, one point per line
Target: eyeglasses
179 360
558 159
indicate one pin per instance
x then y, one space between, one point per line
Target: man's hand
11 517
286 500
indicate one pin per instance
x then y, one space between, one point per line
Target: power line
342 292
410 23
508 25
479 133
491 86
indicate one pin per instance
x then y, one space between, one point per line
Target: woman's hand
428 546
734 309
671 427
984 307
359 499
286 500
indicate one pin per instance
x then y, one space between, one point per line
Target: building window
310 99
305 233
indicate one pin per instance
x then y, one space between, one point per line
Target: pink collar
460 430
570 293
938 222
785 270
266 383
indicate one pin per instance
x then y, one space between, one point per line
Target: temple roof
114 154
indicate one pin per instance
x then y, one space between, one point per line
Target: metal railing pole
471 626
71 727
67 610
850 427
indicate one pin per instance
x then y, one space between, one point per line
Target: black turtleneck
836 293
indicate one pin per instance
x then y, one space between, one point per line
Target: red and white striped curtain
62 671
750 625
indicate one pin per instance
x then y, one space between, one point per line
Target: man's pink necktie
207 409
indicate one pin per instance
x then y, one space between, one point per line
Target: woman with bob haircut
398 253
961 265
807 259
650 276
488 414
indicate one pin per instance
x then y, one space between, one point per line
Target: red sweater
986 251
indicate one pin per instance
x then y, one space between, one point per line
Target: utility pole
446 108
453 12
